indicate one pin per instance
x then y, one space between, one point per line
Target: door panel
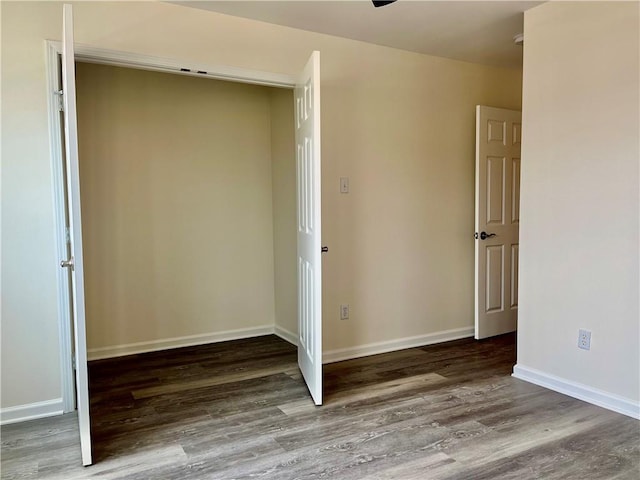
515 191
307 122
514 276
495 190
498 139
75 263
495 276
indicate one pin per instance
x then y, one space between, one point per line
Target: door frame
101 56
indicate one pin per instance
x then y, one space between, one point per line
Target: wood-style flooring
240 410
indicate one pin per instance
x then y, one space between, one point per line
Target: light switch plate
344 184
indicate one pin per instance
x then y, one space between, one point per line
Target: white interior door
75 263
307 123
498 137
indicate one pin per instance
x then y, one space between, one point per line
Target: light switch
344 184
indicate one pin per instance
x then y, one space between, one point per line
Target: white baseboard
31 411
577 390
393 345
286 335
177 342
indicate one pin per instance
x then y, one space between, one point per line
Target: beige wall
399 124
580 194
177 205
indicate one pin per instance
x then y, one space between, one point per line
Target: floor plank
240 410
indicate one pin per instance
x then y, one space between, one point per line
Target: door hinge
60 95
73 362
67 236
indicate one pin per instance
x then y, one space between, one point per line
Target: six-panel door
498 139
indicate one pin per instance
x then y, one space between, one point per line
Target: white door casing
309 261
75 232
497 218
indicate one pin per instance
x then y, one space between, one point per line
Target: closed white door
498 138
307 124
75 263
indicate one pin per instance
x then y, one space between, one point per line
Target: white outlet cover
584 339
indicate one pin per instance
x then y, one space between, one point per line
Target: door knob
484 235
67 263
324 249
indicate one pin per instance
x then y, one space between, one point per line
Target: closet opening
200 191
188 191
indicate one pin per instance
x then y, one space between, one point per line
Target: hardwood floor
239 410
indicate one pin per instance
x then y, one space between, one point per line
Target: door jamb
90 54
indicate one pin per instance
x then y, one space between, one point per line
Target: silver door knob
67 263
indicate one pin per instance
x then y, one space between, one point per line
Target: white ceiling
472 31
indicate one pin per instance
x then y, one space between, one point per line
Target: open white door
498 137
75 263
307 123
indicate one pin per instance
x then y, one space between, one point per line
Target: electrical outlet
344 312
584 339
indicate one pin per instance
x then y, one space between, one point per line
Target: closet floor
240 410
